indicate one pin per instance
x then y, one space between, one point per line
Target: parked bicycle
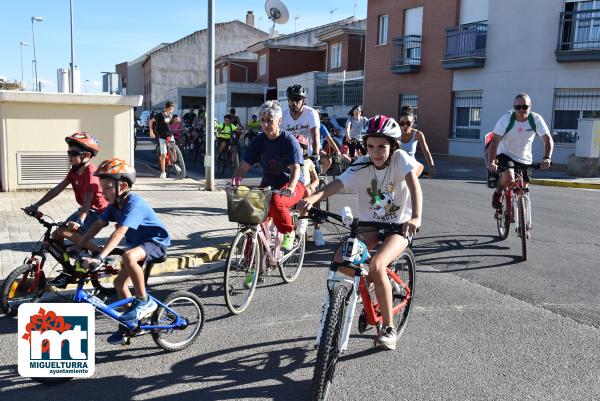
255 250
342 293
174 163
28 282
516 197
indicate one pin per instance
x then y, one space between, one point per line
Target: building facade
461 63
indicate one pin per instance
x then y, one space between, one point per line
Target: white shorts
162 143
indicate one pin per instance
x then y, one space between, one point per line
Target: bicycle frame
109 310
262 233
514 192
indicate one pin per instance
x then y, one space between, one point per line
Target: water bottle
273 231
492 180
347 217
372 294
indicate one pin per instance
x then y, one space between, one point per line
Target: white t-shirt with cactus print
383 195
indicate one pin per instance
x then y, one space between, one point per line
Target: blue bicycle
174 325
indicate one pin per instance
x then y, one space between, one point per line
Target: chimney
250 18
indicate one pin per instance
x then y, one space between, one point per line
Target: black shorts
505 162
153 251
220 140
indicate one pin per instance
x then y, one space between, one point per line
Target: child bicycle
28 282
516 197
174 162
343 292
255 250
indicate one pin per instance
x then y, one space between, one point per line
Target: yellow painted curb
564 183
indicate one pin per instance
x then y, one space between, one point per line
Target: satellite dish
277 11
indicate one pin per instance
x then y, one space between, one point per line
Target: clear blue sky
108 32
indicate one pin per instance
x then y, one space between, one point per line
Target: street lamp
33 20
23 44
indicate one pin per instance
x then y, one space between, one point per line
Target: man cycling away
511 145
281 158
159 127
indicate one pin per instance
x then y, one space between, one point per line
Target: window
587 24
383 30
466 119
569 106
411 100
262 65
336 55
217 75
225 73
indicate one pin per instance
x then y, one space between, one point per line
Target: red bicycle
516 197
342 295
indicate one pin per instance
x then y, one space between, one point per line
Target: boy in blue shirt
146 236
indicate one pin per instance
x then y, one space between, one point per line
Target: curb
193 260
564 183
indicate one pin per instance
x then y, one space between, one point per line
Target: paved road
484 325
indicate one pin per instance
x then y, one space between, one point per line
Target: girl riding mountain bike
388 191
280 156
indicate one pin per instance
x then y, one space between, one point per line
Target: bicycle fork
528 215
349 314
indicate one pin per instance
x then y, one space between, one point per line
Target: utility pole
209 162
72 75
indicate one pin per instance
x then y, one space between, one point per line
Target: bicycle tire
290 269
104 283
221 164
503 223
237 271
15 283
178 167
523 226
161 316
405 267
328 352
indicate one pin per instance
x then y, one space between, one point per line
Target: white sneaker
318 237
301 227
386 338
163 175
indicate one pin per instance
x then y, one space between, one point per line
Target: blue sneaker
139 309
118 337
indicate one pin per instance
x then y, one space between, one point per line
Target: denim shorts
90 219
153 251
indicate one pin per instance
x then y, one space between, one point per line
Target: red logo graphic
44 321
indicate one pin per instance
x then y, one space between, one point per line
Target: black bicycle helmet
295 91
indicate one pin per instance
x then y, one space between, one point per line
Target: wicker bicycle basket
247 205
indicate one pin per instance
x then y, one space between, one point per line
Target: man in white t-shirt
300 119
511 144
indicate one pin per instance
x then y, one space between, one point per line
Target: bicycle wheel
20 287
221 163
235 158
177 162
290 268
186 306
403 294
523 226
328 352
503 219
103 280
241 271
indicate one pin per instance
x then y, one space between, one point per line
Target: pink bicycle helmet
302 141
382 126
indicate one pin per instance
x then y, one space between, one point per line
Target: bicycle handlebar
39 216
322 216
535 166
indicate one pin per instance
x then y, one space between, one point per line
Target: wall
530 67
39 122
355 59
238 74
432 83
285 62
183 63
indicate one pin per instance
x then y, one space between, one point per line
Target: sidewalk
476 170
196 220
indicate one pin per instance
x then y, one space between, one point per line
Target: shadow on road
250 371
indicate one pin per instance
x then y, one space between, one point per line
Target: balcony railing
465 46
406 54
579 36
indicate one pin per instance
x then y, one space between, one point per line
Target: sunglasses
521 107
405 123
75 153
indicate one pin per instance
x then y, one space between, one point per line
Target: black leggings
354 145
